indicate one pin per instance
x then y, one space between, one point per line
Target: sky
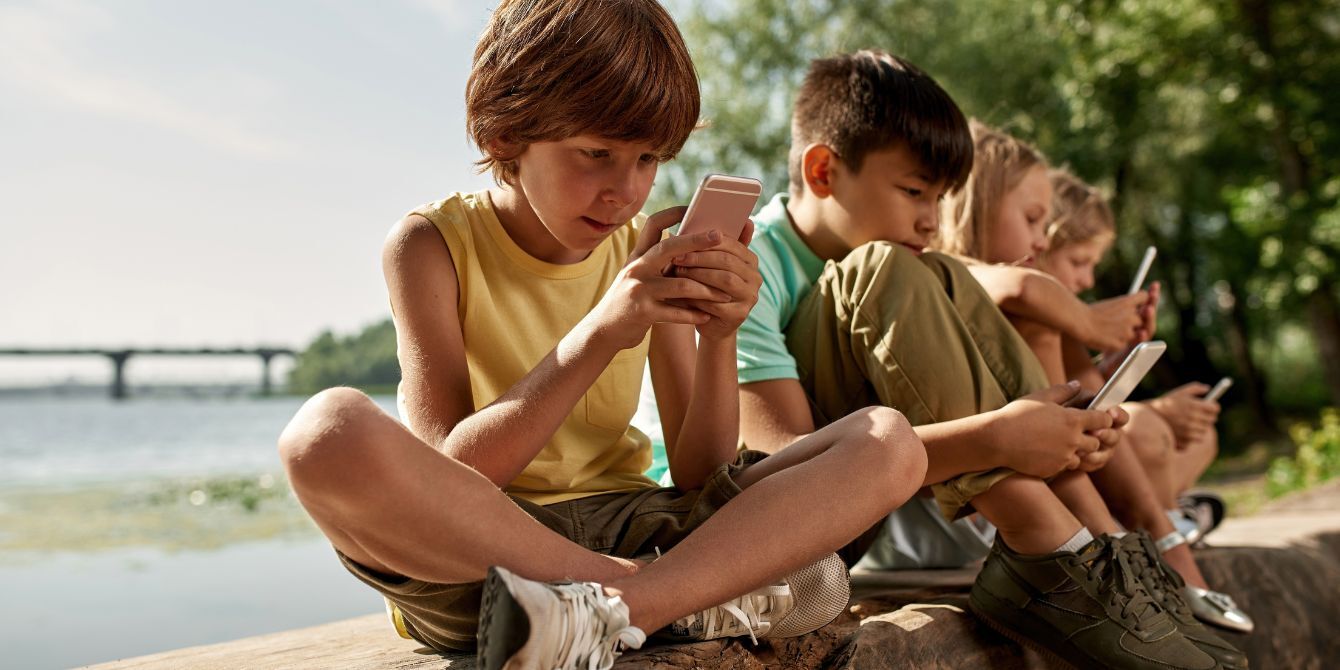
191 173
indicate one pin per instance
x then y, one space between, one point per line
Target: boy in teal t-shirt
875 145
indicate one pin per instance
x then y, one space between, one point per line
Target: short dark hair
871 100
546 70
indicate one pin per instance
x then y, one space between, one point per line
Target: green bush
1317 459
366 360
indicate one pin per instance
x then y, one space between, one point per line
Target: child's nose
623 191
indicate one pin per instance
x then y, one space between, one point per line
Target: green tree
366 360
1212 123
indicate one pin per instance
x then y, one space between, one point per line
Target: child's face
1073 264
583 188
1019 234
890 200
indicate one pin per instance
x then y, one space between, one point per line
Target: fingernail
1074 383
714 235
679 259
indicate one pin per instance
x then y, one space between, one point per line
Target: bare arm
702 426
1104 325
501 439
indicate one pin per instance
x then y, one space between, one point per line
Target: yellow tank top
514 308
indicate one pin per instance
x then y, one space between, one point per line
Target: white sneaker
805 601
524 624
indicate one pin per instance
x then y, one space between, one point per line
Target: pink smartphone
721 203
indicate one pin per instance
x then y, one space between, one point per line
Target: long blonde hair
999 163
1080 212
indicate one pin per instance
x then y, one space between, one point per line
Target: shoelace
745 616
1110 569
1156 574
592 629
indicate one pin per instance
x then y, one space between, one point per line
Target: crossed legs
394 504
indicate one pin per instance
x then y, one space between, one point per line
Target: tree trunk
1239 342
1324 313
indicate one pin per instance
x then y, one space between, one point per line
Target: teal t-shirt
789 270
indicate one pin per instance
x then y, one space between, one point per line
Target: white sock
1079 541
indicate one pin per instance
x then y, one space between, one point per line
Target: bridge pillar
118 359
266 389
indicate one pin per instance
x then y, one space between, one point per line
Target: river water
73 593
123 530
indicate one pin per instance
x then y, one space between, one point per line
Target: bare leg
1046 345
1028 516
395 504
1151 439
785 519
1127 490
1077 492
1189 463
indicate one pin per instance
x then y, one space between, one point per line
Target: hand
642 296
1190 415
1149 314
1115 323
1107 439
731 268
1039 437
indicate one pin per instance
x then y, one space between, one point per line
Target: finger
1058 394
747 235
1092 420
664 289
1107 438
716 258
727 282
1120 417
654 229
1192 388
662 253
664 313
1088 444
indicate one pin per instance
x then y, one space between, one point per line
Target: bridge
118 357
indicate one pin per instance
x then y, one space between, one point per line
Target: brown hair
999 164
869 100
545 70
1079 212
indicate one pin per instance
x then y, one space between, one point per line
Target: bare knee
890 446
1150 436
326 437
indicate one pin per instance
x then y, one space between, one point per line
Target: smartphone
1143 272
1219 389
1128 376
721 203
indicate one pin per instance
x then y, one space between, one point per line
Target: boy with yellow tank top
510 503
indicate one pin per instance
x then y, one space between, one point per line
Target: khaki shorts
632 524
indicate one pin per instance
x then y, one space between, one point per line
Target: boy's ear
816 165
501 149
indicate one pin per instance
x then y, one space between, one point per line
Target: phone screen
1128 376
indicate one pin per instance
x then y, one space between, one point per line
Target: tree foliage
366 360
1212 123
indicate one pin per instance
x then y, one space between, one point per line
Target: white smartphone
1143 272
1219 389
1128 376
721 203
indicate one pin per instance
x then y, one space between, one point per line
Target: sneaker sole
978 602
504 627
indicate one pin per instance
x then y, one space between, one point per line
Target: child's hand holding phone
722 203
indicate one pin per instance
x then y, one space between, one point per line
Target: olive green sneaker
1086 608
1165 585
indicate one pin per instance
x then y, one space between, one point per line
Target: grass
181 514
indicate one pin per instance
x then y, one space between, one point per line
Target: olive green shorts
886 326
631 524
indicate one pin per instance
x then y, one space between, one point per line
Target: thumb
1192 388
1058 394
